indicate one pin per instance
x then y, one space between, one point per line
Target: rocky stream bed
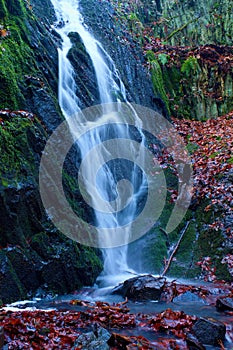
144 312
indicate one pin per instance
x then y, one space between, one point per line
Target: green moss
18 158
157 78
192 147
184 254
230 160
41 244
16 56
211 243
163 58
208 242
156 253
190 66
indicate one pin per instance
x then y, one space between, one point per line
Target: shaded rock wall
33 255
125 52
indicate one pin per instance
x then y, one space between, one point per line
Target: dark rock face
10 287
29 77
85 74
141 288
43 10
125 53
40 89
21 213
33 254
209 331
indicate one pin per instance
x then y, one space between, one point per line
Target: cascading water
111 89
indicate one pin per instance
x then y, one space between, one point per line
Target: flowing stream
111 89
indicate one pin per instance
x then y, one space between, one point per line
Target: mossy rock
42 245
85 76
71 268
21 142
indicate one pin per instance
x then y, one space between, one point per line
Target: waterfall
111 89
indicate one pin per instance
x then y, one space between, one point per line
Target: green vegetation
163 58
10 140
190 66
16 56
17 159
157 77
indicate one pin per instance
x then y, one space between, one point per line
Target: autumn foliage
211 149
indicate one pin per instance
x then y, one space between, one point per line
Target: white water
111 89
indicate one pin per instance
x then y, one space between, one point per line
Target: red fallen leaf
64 340
172 320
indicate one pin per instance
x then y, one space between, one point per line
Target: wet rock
209 331
43 10
224 304
84 72
44 106
139 288
193 343
67 266
188 297
97 339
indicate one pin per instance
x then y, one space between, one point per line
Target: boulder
223 304
193 343
188 297
141 288
209 331
97 339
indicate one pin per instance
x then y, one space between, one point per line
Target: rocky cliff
34 257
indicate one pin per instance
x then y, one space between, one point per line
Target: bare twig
175 249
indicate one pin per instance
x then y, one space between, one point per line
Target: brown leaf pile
212 155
